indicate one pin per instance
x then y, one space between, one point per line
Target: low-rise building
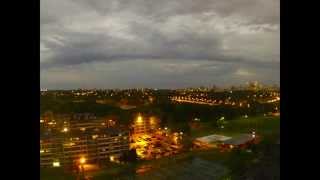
210 141
240 141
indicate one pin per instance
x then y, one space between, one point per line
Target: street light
65 129
112 158
139 119
82 160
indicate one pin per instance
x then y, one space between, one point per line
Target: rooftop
213 138
238 140
88 132
127 107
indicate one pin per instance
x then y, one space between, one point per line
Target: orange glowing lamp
82 160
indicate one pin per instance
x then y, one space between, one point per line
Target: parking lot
157 145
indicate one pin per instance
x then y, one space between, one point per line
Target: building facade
96 146
144 125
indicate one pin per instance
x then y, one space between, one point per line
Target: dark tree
130 156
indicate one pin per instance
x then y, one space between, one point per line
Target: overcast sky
158 43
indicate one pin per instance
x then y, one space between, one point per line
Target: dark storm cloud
79 48
237 34
261 11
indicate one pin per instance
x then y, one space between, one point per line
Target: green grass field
265 158
262 125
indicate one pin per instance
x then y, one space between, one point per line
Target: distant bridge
196 100
204 101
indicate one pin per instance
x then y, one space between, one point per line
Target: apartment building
96 145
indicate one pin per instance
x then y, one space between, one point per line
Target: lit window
56 164
69 144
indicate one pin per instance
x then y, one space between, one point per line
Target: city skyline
167 44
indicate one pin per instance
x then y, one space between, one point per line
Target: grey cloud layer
154 74
78 33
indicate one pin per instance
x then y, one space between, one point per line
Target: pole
78 172
82 169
